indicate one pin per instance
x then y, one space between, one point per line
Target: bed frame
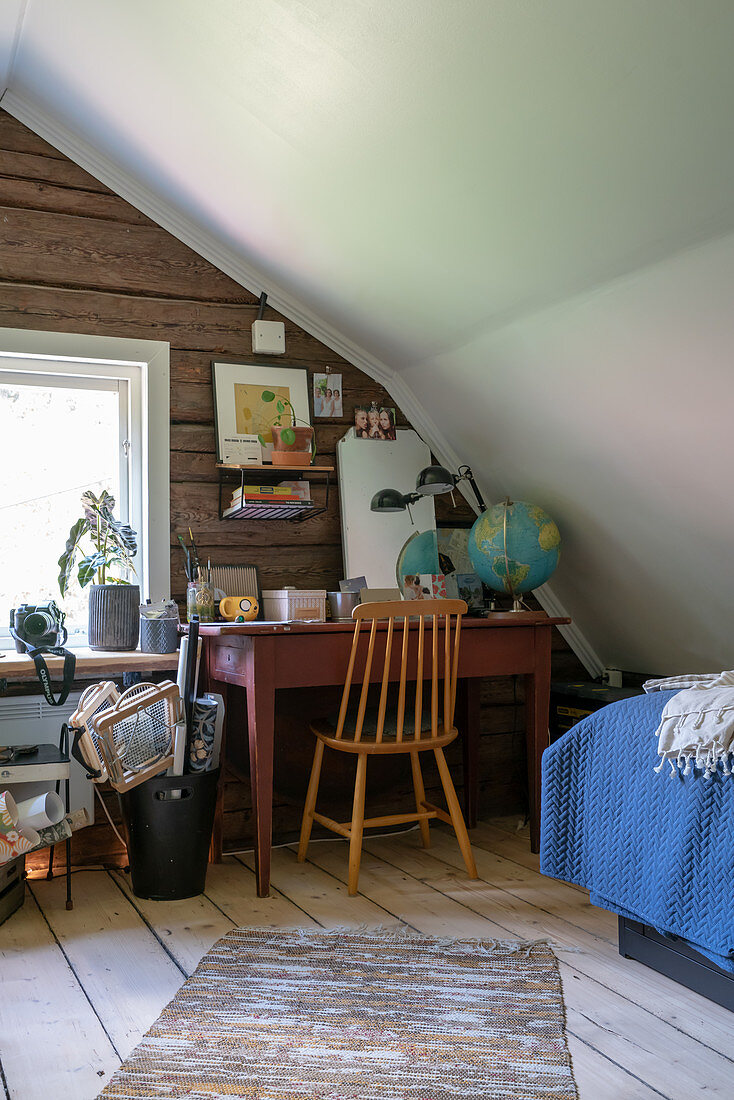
673 957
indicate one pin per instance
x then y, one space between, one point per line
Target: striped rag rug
358 1015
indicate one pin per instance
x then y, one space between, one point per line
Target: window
68 425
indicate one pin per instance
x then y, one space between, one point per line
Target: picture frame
240 414
467 587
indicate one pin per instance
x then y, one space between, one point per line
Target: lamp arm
465 474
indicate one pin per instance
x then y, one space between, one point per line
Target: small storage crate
283 605
572 701
12 887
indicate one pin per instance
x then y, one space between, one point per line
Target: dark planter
114 616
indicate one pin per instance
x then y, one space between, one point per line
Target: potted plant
114 602
293 442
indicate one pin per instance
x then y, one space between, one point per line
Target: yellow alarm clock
239 608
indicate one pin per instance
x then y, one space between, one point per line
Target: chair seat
325 730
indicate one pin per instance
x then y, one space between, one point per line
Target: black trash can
168 826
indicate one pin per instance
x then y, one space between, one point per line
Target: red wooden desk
263 657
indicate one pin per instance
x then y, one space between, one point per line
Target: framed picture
241 415
374 422
468 587
327 395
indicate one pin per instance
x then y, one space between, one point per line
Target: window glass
58 438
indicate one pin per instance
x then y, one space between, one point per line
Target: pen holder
158 635
200 601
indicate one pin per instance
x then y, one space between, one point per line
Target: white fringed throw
697 725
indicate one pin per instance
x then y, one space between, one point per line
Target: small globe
418 555
530 554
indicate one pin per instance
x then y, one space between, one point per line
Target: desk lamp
431 482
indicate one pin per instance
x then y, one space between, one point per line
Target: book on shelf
253 503
289 490
275 498
301 489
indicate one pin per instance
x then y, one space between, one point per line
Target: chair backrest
440 654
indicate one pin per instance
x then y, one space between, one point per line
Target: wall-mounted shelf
291 511
278 471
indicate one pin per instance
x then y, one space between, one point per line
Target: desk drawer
228 660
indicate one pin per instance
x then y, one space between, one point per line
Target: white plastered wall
615 412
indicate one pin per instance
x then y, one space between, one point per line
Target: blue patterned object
656 848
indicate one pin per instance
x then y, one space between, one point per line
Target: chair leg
310 806
420 797
357 826
455 813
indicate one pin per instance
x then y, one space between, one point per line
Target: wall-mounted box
268 337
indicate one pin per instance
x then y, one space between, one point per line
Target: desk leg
468 710
260 676
537 701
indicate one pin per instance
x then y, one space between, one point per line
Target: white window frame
144 368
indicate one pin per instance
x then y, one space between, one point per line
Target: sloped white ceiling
437 185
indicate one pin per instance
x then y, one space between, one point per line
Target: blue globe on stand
514 547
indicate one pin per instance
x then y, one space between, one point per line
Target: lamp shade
388 500
434 480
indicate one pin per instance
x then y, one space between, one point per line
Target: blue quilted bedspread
648 846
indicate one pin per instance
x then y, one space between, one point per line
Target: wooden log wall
75 257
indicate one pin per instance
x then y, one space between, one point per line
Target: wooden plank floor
78 989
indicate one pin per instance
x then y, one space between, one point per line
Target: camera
35 625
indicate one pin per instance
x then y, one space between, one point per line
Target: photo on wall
328 395
375 422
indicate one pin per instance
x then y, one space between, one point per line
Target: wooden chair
428 725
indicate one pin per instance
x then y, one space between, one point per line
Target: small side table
48 764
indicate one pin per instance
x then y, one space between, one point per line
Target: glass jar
200 601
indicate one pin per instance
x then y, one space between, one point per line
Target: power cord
107 815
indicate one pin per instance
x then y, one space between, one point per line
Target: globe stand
518 604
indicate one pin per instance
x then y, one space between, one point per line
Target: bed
655 848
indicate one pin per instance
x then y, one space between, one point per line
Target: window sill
89 664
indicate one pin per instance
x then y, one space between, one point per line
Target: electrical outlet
612 677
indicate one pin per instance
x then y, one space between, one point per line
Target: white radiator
29 720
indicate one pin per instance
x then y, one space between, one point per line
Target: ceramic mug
235 607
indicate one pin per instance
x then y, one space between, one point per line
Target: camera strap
44 676
77 753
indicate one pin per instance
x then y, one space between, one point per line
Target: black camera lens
37 624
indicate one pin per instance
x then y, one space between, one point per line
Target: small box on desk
285 605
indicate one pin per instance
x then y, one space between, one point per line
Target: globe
418 555
514 547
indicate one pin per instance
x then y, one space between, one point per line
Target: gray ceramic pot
114 616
